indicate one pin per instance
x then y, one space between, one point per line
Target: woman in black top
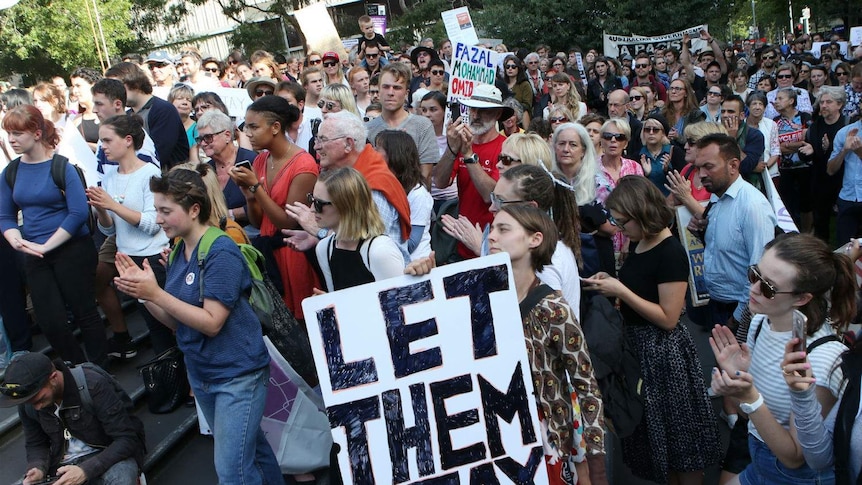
677 437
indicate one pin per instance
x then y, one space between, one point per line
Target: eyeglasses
323 139
262 92
714 93
497 202
330 105
653 129
641 66
438 73
208 138
372 56
617 222
840 73
558 119
784 76
317 203
507 160
532 62
690 141
614 136
330 64
804 71
211 69
769 57
154 65
511 66
637 98
767 289
314 62
675 88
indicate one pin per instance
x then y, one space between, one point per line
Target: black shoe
121 350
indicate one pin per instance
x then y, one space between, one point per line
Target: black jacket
114 428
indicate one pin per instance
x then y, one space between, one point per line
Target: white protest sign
459 26
236 100
319 30
818 48
470 66
618 45
856 36
782 216
426 380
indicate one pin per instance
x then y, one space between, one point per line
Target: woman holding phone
798 278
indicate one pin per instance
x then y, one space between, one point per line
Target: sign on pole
459 26
426 380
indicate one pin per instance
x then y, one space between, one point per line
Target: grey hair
531 56
217 121
515 105
584 184
836 93
348 125
791 93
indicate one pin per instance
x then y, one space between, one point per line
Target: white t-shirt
421 206
562 274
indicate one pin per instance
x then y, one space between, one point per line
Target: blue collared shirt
851 188
741 222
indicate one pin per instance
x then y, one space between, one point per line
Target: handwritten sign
619 45
694 248
470 67
426 380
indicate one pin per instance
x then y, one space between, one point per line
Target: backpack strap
58 171
11 172
533 298
81 383
821 341
204 245
367 260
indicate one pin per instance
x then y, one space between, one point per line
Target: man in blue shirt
847 153
739 222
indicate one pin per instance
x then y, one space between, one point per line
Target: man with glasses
372 58
393 95
537 82
643 77
163 72
768 62
259 87
736 225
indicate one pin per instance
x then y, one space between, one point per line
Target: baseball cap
161 57
330 55
25 377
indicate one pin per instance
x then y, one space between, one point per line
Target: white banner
426 380
620 45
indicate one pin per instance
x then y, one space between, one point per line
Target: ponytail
843 292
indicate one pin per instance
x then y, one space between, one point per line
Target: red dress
297 275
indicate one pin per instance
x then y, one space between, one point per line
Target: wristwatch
254 187
321 233
472 159
749 408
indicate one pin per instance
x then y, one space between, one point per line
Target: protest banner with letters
694 249
470 66
459 26
620 45
426 379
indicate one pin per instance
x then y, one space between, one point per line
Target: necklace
120 198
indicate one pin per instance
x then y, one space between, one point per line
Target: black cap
662 121
25 377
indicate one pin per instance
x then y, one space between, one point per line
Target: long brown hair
689 104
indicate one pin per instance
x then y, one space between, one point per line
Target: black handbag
165 381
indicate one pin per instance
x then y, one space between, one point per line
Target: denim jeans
234 409
121 473
765 469
849 221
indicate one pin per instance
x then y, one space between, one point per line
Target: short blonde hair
530 148
621 125
342 94
351 197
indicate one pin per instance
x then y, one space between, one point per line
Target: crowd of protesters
347 169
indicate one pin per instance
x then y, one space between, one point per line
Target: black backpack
58 174
615 364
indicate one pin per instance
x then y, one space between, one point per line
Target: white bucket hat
486 96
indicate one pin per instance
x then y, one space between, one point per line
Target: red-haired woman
61 258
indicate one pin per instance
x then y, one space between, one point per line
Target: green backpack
277 322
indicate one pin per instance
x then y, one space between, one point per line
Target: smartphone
244 163
454 110
799 324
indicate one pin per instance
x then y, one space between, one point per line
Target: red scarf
372 166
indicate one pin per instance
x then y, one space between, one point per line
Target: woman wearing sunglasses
282 174
638 102
796 272
677 437
524 148
356 251
516 80
656 151
337 97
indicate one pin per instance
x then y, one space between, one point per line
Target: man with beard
372 59
768 62
738 223
472 156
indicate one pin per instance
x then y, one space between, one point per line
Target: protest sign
856 36
694 249
782 216
818 48
426 380
470 66
620 45
319 31
459 26
236 100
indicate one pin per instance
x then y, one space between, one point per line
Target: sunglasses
211 69
512 66
714 93
690 142
653 129
840 73
330 105
330 64
314 62
614 136
263 92
438 73
208 138
637 98
558 119
641 66
784 76
507 160
372 56
766 288
617 222
317 203
770 57
497 202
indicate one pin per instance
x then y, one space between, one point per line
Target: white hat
487 96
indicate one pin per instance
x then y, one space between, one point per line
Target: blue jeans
765 469
121 473
234 409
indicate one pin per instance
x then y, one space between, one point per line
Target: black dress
678 431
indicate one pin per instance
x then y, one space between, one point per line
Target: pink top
605 184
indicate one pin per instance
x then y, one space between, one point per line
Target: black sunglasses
262 92
614 136
317 203
330 64
211 69
511 66
641 66
438 73
208 138
314 62
330 105
766 288
637 98
507 160
784 76
372 56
